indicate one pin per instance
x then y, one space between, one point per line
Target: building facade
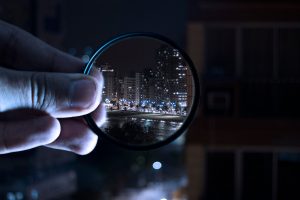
244 143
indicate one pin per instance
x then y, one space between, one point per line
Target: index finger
21 50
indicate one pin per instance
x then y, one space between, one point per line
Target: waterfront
140 127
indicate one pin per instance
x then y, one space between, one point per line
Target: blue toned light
10 196
157 165
19 196
85 58
34 194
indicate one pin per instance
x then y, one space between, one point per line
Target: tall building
138 79
181 83
171 76
119 88
147 91
110 82
244 143
129 89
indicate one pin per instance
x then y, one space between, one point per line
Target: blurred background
244 142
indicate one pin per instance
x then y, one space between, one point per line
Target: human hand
42 95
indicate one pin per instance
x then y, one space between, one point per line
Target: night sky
131 55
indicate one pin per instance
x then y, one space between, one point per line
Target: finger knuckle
40 93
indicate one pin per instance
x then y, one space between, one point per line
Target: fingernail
82 94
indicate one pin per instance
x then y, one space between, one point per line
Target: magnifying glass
151 90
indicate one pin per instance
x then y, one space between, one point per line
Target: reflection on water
141 128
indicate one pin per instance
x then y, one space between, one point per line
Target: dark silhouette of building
171 76
148 84
244 143
110 82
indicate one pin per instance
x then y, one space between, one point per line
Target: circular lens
150 90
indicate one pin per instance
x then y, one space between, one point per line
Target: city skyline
163 86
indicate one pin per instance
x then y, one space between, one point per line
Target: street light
157 165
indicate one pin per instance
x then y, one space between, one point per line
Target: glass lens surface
148 90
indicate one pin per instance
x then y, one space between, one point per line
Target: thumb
61 95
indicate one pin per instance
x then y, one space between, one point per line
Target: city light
157 165
85 58
34 194
14 196
158 89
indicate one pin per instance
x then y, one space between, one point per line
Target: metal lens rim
196 92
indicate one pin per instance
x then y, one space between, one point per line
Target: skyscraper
109 89
147 90
171 76
129 89
138 78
